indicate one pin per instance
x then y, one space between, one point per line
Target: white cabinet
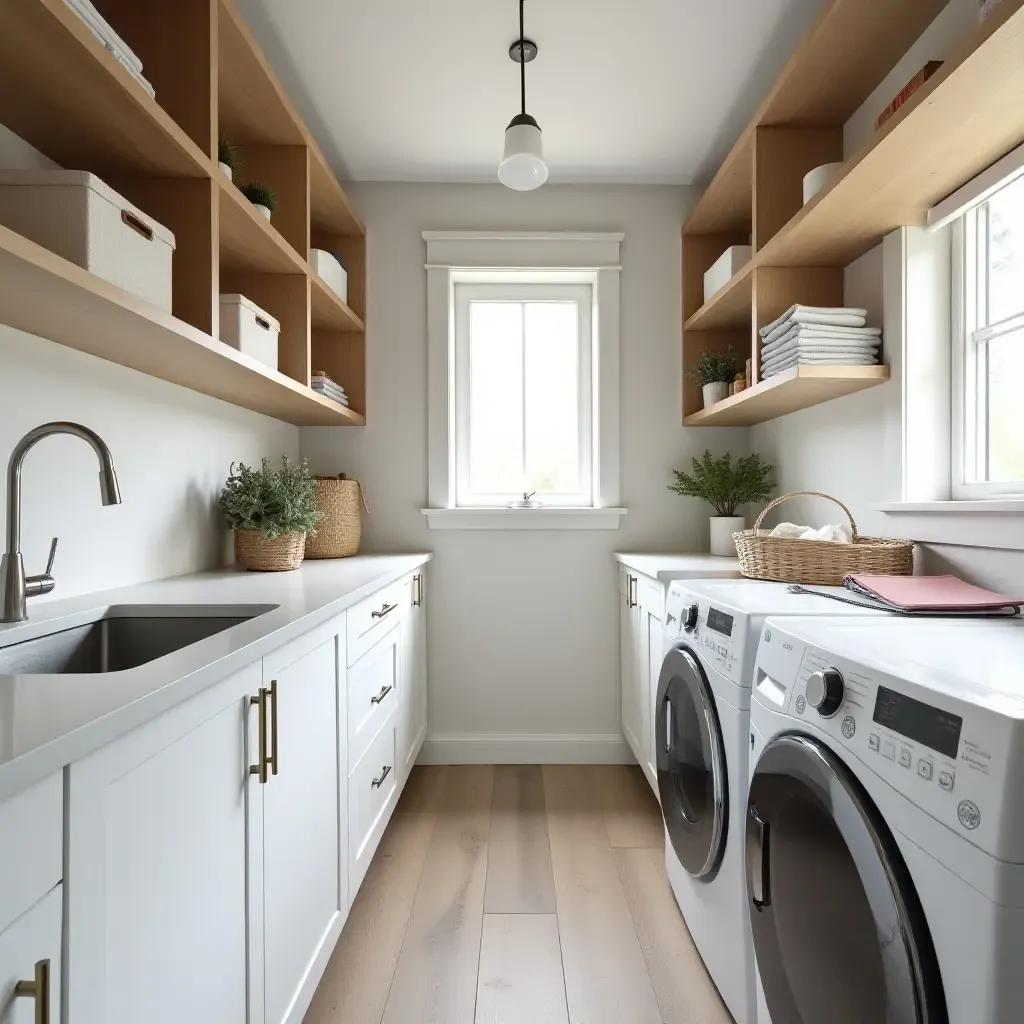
30 964
412 710
632 691
652 616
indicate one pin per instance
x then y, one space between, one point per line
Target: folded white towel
855 348
819 332
788 326
102 29
777 368
839 316
820 357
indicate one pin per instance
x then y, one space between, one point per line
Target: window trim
465 292
508 256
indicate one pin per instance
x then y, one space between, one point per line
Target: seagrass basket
278 554
339 532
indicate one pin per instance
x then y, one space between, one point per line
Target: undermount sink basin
121 637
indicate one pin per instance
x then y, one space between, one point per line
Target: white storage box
243 325
331 272
725 268
80 217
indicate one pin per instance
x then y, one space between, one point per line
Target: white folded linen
788 326
819 357
838 316
833 532
102 29
819 332
847 348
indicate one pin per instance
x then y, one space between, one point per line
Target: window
523 394
988 450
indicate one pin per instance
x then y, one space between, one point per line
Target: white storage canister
331 272
78 216
254 332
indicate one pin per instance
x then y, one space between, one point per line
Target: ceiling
651 91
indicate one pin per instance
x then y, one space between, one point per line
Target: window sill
998 523
524 518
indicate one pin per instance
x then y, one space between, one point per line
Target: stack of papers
816 335
323 385
117 47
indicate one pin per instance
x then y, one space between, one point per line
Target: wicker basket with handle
262 554
820 562
341 502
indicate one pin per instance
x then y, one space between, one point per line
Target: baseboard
535 749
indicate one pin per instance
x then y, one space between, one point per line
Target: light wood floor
519 895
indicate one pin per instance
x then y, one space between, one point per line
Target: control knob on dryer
690 616
825 691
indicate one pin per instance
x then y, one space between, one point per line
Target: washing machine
702 736
885 825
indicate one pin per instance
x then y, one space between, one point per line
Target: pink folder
929 593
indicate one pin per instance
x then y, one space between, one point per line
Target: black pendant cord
522 56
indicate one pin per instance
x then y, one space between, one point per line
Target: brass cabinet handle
417 592
273 727
260 769
385 772
384 691
39 990
386 609
631 582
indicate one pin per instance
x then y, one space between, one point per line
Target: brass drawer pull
385 609
260 769
273 727
377 783
39 990
384 691
417 591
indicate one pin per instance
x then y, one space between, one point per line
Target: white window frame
522 259
468 291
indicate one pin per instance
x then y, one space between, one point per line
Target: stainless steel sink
121 637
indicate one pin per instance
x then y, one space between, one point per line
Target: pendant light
522 167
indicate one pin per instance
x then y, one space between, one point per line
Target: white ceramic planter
722 529
263 211
715 392
225 170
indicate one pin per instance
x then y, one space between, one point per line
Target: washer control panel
719 635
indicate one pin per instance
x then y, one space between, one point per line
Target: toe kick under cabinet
212 854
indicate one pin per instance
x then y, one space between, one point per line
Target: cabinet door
303 901
30 953
163 829
412 713
629 636
652 613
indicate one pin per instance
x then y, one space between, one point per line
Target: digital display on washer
917 721
720 622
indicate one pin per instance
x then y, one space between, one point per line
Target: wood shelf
729 307
46 295
250 242
328 311
799 388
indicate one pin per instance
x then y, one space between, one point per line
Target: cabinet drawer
369 620
31 846
30 950
373 693
371 789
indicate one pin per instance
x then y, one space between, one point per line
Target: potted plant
725 486
227 158
271 511
714 372
262 196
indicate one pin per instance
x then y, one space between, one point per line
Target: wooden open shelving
65 94
966 117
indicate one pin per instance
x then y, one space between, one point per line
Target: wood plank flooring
519 895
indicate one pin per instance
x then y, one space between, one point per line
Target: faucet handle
53 555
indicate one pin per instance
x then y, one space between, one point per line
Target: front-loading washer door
839 932
692 776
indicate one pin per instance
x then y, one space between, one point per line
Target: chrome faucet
17 586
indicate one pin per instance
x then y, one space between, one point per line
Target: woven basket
340 529
257 553
820 562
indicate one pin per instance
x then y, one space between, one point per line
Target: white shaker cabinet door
629 639
163 825
305 902
30 963
652 642
412 714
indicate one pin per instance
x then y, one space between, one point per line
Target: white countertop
680 566
48 721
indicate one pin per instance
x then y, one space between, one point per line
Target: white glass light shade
522 168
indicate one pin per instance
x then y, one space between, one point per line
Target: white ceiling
625 90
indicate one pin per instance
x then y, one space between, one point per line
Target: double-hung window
523 393
988 399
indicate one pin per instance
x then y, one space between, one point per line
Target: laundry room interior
582 575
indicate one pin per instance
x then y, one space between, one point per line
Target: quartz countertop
48 721
680 565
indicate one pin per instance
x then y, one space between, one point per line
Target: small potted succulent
227 158
714 372
725 486
271 511
262 196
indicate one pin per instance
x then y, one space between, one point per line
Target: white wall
523 625
172 449
852 447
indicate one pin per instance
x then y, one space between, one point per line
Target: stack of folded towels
816 335
119 49
323 385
